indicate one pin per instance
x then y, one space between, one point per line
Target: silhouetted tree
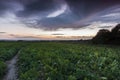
104 36
116 30
115 35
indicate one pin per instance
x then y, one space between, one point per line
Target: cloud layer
56 14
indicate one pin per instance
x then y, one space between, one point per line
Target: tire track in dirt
12 69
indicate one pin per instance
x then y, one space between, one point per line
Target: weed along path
11 68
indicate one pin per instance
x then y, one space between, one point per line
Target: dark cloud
80 9
8 6
3 7
105 27
2 32
23 37
57 22
88 7
33 7
57 34
74 37
33 13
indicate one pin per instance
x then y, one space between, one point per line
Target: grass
62 60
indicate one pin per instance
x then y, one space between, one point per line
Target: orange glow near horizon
25 32
21 31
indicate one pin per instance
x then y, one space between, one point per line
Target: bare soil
12 71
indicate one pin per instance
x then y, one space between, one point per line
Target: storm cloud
56 14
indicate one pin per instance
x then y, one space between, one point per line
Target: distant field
62 60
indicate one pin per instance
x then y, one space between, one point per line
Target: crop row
7 51
67 61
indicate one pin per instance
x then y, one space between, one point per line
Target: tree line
105 36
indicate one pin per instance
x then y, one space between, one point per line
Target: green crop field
62 60
7 51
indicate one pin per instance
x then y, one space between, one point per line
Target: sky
56 19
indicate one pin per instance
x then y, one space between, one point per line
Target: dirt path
11 74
